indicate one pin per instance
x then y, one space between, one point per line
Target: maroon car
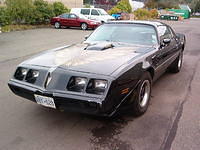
72 20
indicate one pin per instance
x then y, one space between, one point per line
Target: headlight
32 76
77 84
97 86
20 73
93 22
24 71
100 84
35 73
81 82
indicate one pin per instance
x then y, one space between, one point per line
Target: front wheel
141 98
84 26
57 25
177 64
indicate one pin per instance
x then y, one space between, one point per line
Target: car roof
154 23
87 8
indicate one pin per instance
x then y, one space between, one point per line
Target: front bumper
93 26
63 101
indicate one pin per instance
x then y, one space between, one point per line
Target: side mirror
166 41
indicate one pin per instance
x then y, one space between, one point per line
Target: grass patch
9 28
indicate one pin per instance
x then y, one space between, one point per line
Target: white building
69 3
2 2
136 4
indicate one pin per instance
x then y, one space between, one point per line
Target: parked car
117 16
73 20
115 66
93 13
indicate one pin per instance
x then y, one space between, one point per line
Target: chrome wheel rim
144 93
180 61
84 26
57 25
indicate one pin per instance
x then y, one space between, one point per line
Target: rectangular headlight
77 84
20 73
32 76
97 86
102 84
79 81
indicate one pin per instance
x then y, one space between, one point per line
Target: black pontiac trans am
116 65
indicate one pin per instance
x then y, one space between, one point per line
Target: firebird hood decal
76 58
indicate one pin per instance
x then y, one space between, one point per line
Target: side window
94 12
164 32
85 11
172 32
64 16
72 16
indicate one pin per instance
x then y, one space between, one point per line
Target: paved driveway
172 120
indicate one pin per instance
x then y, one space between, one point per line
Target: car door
64 19
73 20
94 15
167 50
177 45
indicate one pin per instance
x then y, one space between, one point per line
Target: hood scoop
99 46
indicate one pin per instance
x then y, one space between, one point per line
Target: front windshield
125 33
102 12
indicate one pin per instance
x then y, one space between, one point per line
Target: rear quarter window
85 11
64 16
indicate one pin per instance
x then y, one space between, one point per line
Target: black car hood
78 58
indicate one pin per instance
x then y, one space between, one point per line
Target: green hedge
122 6
59 8
4 16
30 12
145 14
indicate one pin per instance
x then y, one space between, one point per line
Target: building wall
70 3
105 4
2 2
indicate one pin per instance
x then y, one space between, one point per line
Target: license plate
45 101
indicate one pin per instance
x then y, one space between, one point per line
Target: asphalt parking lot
172 121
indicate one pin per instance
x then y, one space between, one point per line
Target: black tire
57 25
140 99
176 66
84 26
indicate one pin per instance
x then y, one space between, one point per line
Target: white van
93 14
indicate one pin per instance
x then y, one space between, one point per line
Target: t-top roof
154 23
